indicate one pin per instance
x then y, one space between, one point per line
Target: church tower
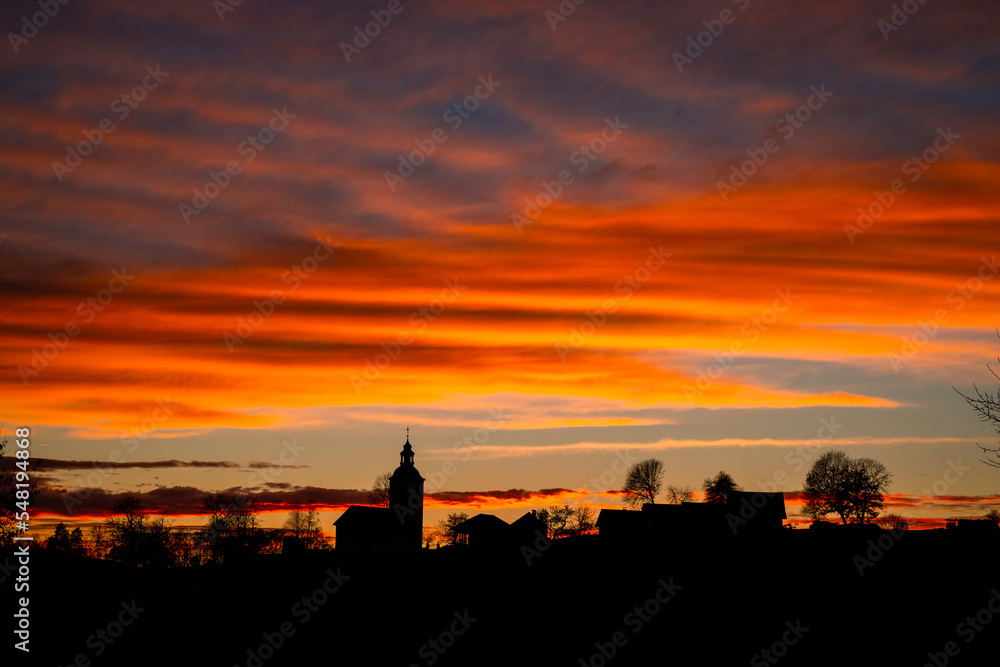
406 497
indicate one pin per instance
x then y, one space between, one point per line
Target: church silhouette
387 530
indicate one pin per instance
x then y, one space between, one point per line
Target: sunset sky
244 246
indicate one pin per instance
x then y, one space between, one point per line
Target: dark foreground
799 597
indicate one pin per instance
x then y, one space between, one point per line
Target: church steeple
406 496
406 456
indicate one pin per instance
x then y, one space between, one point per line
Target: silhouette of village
718 583
398 528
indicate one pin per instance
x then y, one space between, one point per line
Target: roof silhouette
482 524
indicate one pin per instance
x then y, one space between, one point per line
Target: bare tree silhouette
99 541
303 524
679 494
558 518
584 519
232 528
643 482
447 526
379 494
892 522
851 488
987 405
137 539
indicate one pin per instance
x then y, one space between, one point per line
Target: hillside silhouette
719 603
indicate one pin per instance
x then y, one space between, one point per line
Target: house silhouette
483 530
971 527
487 530
362 529
746 513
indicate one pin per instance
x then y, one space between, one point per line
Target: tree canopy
679 494
559 517
447 526
379 493
304 525
584 519
137 539
850 488
643 482
233 529
718 488
63 541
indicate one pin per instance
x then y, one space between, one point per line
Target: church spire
406 456
406 497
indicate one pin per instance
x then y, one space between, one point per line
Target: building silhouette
487 530
387 530
746 513
483 530
406 497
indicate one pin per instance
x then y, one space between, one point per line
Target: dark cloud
540 497
60 464
182 500
463 497
267 464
